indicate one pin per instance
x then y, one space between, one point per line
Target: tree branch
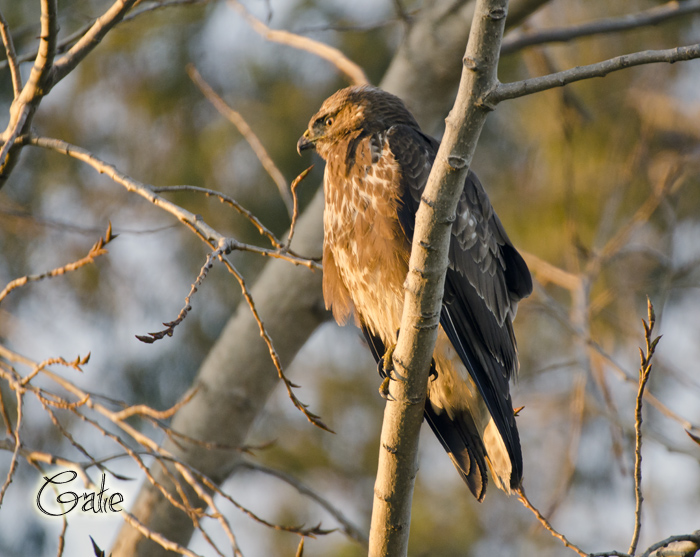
505 91
658 14
403 415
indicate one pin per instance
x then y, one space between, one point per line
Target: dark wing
485 279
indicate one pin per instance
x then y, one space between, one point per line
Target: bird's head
354 109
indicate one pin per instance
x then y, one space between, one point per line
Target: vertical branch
403 415
644 370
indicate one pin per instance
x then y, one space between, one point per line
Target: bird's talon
433 371
384 389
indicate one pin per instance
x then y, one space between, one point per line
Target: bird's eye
329 121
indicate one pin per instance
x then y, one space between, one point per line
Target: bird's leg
386 367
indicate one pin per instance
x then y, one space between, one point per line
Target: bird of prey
377 165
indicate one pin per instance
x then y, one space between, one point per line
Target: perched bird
377 165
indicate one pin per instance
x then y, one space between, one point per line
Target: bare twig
644 371
248 134
529 506
658 14
289 386
150 338
262 229
514 90
95 251
295 205
143 410
349 528
332 55
424 285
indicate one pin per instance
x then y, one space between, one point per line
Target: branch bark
403 415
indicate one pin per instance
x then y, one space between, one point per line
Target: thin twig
333 55
143 410
658 14
248 134
526 503
349 528
255 221
295 204
150 338
95 251
289 386
644 371
18 445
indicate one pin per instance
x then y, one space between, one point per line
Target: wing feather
485 280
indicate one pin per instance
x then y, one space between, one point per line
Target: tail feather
460 438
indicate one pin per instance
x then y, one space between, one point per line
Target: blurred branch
514 90
95 251
346 66
518 40
237 120
11 56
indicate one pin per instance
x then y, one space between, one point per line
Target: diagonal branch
333 55
245 130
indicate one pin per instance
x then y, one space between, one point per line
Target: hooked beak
304 142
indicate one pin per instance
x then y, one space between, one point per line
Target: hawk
377 165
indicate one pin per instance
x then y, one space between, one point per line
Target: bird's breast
362 230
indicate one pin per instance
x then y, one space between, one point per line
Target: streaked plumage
377 165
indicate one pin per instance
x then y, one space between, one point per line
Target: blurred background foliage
566 169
